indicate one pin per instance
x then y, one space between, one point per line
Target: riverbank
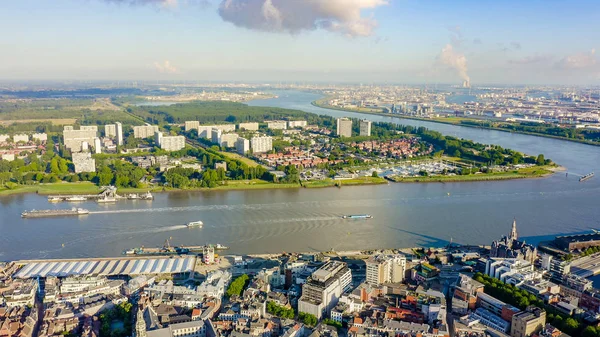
64 188
525 173
450 121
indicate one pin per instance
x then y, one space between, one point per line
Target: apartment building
385 269
322 290
344 127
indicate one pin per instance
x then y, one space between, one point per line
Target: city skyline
371 41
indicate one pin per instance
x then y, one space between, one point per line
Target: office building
277 125
344 127
110 130
144 131
242 146
297 124
511 270
385 269
248 126
228 139
365 128
73 138
323 288
170 143
83 162
528 322
119 133
261 144
556 267
97 145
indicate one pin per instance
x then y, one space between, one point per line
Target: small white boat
54 199
198 224
76 199
220 246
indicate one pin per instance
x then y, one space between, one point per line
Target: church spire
513 232
140 324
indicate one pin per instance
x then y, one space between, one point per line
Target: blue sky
393 41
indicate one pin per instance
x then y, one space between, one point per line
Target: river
270 221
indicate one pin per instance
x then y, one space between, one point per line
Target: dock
108 194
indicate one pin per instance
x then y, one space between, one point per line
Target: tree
374 174
236 287
540 160
308 319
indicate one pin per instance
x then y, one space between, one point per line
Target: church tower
140 324
513 233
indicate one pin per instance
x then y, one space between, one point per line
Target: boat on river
54 213
193 224
357 216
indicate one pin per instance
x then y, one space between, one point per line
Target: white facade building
297 124
110 130
242 146
73 138
144 131
385 269
21 138
248 126
42 137
228 139
83 162
344 127
277 125
119 133
365 128
261 144
170 143
97 145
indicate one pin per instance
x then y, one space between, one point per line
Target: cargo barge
586 177
54 213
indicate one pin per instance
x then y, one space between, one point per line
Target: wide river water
269 221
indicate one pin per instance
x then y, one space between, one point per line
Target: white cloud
295 16
532 59
162 3
166 67
454 59
579 60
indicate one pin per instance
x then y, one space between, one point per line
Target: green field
531 172
54 188
245 160
350 182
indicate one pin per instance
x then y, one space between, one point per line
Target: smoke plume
455 60
295 16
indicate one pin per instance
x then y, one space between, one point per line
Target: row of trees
522 299
237 286
280 311
308 319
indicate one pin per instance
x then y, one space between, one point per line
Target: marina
108 195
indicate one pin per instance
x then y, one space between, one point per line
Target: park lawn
530 172
54 188
245 160
250 185
349 182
